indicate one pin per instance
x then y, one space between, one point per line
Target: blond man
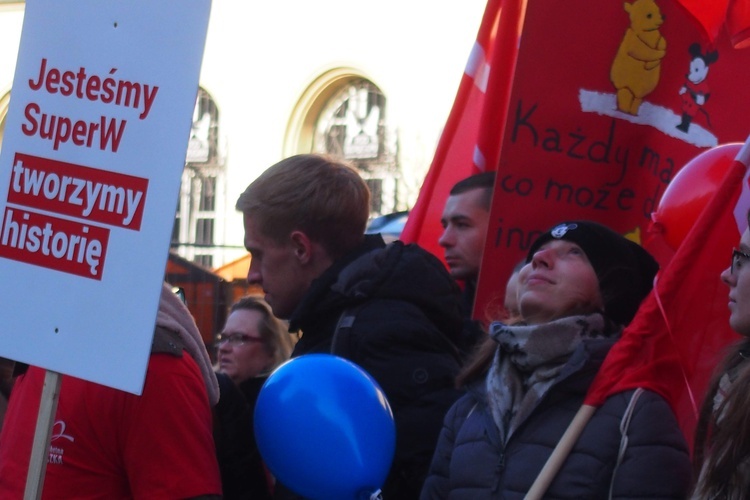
393 309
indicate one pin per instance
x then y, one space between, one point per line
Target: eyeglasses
739 258
236 338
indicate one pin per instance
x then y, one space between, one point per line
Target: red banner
609 100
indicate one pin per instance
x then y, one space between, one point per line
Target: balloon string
685 378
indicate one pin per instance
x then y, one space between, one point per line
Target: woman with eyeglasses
251 345
722 438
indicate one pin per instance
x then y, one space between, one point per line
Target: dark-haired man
465 219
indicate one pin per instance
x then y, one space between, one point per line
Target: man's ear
302 246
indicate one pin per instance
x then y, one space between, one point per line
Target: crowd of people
478 407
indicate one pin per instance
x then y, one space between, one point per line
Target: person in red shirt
109 444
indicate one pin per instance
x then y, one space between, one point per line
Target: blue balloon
325 429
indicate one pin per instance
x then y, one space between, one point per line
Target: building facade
372 83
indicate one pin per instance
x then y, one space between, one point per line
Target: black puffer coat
406 321
470 463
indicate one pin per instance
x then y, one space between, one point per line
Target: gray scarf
528 360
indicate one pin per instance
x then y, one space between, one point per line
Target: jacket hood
404 272
395 272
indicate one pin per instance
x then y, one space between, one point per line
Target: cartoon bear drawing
636 67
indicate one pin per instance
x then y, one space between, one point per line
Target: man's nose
253 275
446 239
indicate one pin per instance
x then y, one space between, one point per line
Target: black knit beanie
624 269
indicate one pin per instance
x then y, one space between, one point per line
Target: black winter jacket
243 474
406 323
470 463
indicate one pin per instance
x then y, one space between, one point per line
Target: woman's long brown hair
720 449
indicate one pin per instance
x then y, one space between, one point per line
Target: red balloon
690 190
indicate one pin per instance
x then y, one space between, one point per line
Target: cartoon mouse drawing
694 93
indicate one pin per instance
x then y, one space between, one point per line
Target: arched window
352 123
203 147
344 115
202 181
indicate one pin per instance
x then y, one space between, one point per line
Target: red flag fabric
714 15
709 14
470 142
680 333
738 23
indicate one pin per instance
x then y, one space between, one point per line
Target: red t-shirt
110 444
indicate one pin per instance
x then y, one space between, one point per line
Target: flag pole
42 436
560 453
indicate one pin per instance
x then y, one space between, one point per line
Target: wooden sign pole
42 436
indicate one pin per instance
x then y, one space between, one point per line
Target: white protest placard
90 169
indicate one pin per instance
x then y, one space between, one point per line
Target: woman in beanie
722 438
581 284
